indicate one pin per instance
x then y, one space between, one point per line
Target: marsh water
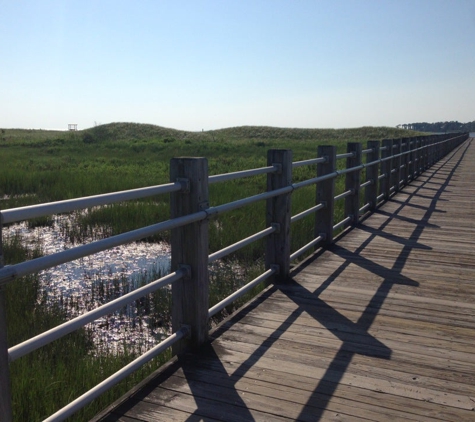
86 283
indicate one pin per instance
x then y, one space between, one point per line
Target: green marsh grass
50 377
43 166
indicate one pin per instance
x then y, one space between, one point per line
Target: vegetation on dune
43 166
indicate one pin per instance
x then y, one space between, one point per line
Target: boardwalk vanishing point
380 326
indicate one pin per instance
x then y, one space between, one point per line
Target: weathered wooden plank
381 326
164 403
258 396
422 409
372 348
404 326
288 400
377 313
346 374
436 373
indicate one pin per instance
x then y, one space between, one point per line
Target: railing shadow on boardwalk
400 160
392 276
309 302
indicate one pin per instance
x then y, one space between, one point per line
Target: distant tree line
440 126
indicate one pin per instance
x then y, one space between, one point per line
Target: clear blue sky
211 64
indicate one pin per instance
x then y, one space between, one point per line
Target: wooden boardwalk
381 327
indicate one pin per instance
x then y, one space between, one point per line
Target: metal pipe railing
343 195
306 247
238 245
306 213
114 379
59 331
413 157
11 272
308 162
241 174
13 215
238 293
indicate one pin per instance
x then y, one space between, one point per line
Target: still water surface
77 282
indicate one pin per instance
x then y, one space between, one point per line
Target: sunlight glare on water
76 283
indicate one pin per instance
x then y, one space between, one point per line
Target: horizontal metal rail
308 162
364 208
344 195
305 248
238 293
211 211
313 180
11 272
238 245
241 174
342 223
307 212
13 215
108 383
59 331
345 155
423 155
350 170
332 175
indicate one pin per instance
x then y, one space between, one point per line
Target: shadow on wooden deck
391 277
213 386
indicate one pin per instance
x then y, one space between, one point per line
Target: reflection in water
88 282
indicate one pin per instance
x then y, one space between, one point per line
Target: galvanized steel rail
385 174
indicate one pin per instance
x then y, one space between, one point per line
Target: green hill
135 131
116 132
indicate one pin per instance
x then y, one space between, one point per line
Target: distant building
72 126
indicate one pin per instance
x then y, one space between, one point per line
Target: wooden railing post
420 156
417 157
353 182
372 173
424 154
411 157
396 181
278 213
5 387
438 149
433 147
447 147
430 151
326 194
405 161
189 244
386 167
